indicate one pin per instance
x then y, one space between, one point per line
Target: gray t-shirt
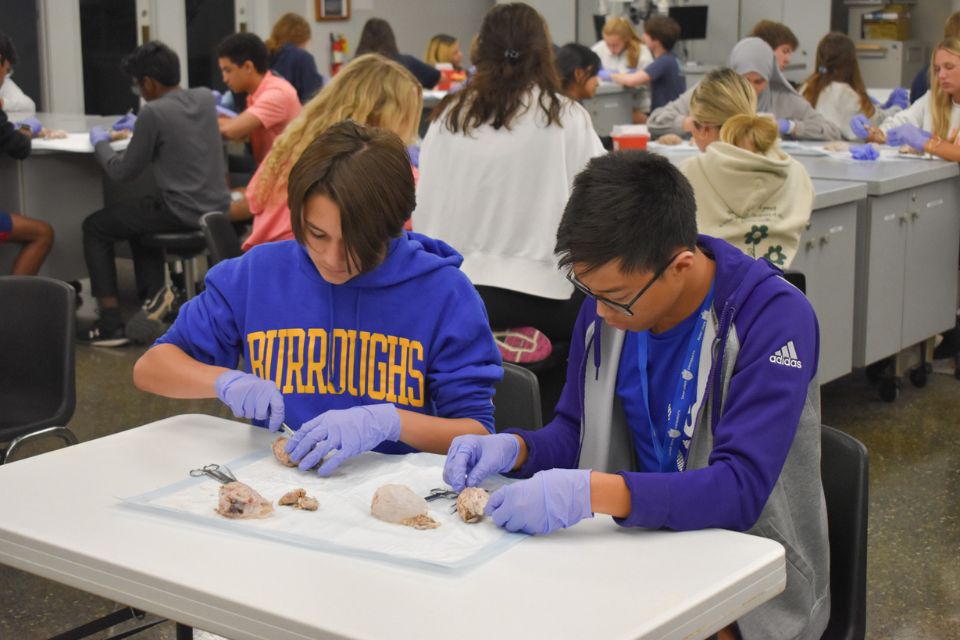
178 134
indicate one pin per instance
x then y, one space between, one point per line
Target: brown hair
837 62
290 28
662 28
377 37
514 54
775 34
951 28
621 27
365 171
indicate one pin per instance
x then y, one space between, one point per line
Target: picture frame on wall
332 10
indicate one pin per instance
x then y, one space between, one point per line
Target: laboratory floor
914 444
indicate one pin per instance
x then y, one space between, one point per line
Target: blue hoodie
412 332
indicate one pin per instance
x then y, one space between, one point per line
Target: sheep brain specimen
471 502
398 504
237 500
280 452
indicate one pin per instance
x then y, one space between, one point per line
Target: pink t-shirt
275 104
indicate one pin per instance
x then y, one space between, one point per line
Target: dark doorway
108 31
208 22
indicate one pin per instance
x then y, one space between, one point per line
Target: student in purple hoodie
691 399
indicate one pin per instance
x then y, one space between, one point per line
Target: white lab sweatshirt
15 100
839 103
758 203
497 196
620 64
918 114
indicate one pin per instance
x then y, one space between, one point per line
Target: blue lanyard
684 396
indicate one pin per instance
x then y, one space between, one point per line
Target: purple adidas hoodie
761 407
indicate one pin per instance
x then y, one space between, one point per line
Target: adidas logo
787 356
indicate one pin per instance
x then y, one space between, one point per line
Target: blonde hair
621 27
941 103
725 99
371 90
290 28
440 49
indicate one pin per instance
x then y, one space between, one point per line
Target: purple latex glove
125 123
860 125
250 396
864 152
98 135
908 134
223 111
348 431
873 100
899 97
550 500
216 95
31 123
784 125
413 152
472 458
604 75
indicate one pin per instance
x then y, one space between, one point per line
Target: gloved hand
550 500
604 75
31 123
899 97
472 458
99 134
250 396
860 125
223 111
125 123
413 152
864 152
908 134
350 431
873 100
784 125
216 95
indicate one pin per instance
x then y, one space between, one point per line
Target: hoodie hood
744 180
755 55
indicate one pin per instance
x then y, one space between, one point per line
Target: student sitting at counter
780 38
12 97
748 191
921 81
289 57
621 50
664 74
753 58
444 49
932 123
835 88
578 67
377 37
176 132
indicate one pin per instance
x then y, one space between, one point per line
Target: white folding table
62 521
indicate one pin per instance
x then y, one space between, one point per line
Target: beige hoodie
758 203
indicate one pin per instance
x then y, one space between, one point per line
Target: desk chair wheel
889 390
918 376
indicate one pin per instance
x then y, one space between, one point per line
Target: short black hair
631 205
240 47
7 51
573 56
153 60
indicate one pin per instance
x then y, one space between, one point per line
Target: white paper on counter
74 143
343 523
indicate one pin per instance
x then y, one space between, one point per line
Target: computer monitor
692 21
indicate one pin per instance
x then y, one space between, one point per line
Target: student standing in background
377 37
664 74
621 50
289 58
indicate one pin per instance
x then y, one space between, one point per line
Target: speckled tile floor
914 444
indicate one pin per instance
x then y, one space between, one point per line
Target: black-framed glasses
620 306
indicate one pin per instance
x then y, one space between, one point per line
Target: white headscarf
753 54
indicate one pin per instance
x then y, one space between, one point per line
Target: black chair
844 468
796 278
517 402
223 242
37 391
181 247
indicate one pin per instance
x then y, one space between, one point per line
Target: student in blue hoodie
359 335
691 399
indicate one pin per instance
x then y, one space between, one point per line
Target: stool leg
189 273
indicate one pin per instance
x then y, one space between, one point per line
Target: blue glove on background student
472 458
864 152
31 123
98 135
899 97
550 500
908 134
784 125
125 123
604 74
250 396
223 111
413 152
348 431
860 124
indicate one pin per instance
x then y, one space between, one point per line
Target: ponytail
752 132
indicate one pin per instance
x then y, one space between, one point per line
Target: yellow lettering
342 369
351 381
364 342
294 360
268 358
255 346
315 365
416 391
373 391
281 349
398 369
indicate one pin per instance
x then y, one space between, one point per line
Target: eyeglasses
619 306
